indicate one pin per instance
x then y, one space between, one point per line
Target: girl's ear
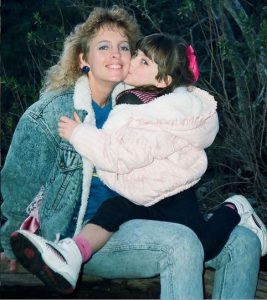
164 83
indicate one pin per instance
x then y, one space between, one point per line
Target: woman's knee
178 244
186 246
242 248
244 242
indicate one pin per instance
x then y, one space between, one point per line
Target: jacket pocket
65 180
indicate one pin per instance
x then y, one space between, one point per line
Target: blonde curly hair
66 72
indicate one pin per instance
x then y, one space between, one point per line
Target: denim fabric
143 249
38 157
181 208
237 266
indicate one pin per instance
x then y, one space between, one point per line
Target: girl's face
142 71
108 58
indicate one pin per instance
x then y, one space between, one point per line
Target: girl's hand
67 125
12 262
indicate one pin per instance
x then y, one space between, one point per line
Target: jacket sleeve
28 163
125 150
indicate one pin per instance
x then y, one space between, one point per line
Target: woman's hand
12 262
67 125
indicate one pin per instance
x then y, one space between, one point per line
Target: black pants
181 208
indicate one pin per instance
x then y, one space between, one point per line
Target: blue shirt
99 192
101 113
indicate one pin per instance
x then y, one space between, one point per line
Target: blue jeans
143 249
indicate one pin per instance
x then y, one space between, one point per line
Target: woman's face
142 71
109 56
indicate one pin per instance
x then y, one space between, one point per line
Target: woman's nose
115 53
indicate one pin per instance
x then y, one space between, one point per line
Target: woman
37 153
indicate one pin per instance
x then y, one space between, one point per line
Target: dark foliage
230 40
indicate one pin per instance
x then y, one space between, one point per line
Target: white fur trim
83 101
82 98
87 178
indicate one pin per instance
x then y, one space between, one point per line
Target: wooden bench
22 284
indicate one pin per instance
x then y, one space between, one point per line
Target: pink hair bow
193 66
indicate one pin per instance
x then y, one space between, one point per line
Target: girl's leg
235 210
144 249
90 239
183 208
116 211
214 233
110 215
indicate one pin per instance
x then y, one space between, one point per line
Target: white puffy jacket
151 151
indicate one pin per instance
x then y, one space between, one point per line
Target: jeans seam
229 250
165 251
131 247
171 274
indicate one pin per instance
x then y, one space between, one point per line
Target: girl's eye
144 62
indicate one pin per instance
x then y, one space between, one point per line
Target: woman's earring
85 69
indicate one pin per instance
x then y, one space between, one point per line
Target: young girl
150 154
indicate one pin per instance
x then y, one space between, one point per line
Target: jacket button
62 164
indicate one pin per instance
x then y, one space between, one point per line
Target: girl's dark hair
169 52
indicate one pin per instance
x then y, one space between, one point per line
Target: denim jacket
39 157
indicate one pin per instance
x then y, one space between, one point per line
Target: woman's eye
125 48
103 47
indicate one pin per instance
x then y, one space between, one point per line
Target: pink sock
84 247
231 205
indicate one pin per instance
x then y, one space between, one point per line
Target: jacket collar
82 97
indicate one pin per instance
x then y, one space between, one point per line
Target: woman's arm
28 163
